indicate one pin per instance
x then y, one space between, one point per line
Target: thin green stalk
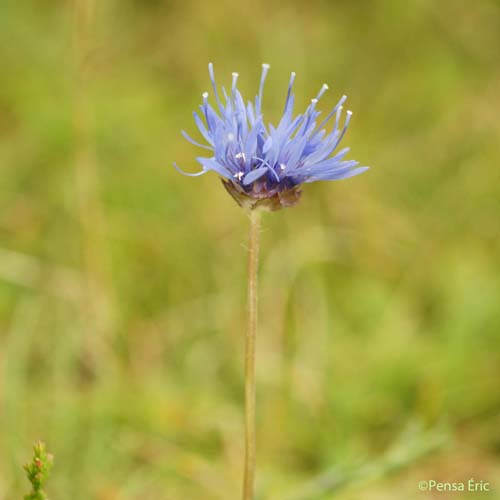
250 339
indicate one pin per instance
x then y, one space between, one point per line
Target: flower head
265 166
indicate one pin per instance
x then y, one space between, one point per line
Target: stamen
183 172
265 69
332 112
192 141
289 93
337 118
346 124
212 79
204 108
324 88
347 120
235 79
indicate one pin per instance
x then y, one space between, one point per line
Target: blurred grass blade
411 447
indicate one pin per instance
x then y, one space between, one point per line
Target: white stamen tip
205 95
235 74
325 86
266 66
349 112
293 73
314 101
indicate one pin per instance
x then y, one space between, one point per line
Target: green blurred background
122 283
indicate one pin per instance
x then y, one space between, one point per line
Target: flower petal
192 141
212 164
203 130
254 175
267 145
337 174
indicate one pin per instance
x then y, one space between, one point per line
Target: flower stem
250 338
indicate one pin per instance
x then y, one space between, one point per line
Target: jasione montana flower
265 166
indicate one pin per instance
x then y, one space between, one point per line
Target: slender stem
251 334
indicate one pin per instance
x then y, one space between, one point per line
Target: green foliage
38 471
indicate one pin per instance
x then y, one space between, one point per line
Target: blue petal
212 164
325 150
267 145
251 140
213 119
295 152
337 174
269 167
192 141
241 113
354 171
203 130
326 166
254 175
250 113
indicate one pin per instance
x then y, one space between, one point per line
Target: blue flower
265 166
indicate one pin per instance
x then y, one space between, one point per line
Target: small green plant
38 470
